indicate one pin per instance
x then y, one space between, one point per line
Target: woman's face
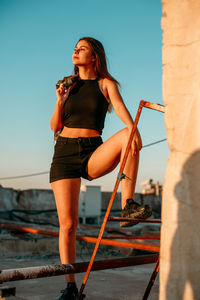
83 54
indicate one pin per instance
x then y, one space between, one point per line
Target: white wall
180 234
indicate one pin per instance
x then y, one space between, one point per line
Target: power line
151 144
46 172
23 176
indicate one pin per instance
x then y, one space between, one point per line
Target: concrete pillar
180 233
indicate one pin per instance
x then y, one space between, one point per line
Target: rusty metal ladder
157 107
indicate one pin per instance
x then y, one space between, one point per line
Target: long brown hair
100 64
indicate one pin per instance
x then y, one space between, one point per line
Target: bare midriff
78 132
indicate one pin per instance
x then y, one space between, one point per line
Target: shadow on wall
184 276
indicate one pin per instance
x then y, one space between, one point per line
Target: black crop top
86 106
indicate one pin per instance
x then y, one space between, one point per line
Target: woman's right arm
56 122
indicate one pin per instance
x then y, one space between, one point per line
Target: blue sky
37 39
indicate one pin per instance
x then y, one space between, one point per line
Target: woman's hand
136 145
61 94
56 121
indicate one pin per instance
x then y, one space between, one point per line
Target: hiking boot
70 293
135 211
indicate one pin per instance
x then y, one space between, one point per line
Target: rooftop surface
127 283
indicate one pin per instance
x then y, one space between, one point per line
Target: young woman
79 151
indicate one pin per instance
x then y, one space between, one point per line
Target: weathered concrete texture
24 245
180 235
115 284
43 200
8 198
33 199
37 199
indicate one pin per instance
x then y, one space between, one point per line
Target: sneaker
70 293
134 210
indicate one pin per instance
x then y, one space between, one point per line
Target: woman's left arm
122 112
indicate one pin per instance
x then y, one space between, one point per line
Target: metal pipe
118 237
111 201
121 244
152 280
104 241
153 106
141 105
119 219
8 226
78 237
55 270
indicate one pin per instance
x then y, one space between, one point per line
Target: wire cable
47 172
151 144
22 176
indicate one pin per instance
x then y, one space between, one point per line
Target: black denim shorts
71 157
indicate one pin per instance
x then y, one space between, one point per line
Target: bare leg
107 157
130 170
66 192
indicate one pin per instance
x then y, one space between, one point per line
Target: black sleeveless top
86 106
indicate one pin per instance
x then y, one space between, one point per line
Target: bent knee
69 227
125 134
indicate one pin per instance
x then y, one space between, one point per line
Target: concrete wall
37 199
33 199
180 234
